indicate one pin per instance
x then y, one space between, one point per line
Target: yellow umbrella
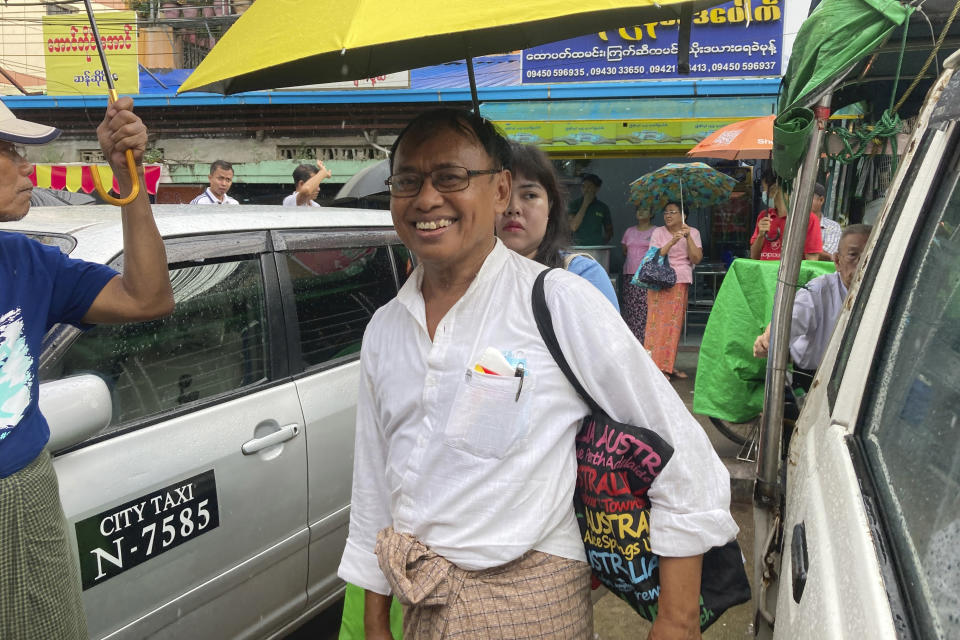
285 43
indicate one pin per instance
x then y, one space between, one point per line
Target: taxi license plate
129 534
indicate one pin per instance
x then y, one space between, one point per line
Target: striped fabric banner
77 177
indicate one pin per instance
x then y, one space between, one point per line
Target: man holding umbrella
766 243
463 479
40 585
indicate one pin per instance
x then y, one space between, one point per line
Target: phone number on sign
614 71
743 66
555 73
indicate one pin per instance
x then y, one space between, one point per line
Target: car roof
98 232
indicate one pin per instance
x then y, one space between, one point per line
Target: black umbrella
366 182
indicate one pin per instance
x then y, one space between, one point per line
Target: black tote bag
616 464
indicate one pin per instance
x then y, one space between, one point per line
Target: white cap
13 129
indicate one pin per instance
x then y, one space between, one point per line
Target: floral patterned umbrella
692 184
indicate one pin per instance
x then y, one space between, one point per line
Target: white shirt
815 312
830 232
480 477
207 197
291 201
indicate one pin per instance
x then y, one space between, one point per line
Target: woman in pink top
666 308
636 242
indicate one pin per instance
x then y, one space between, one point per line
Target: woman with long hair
536 224
666 308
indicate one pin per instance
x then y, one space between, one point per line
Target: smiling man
464 469
39 287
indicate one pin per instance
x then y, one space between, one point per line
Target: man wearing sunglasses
464 467
39 287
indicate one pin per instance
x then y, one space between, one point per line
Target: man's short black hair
819 190
461 121
220 164
303 173
592 177
768 177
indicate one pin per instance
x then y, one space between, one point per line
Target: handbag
656 273
647 257
616 465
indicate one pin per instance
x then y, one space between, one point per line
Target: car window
64 242
405 262
336 292
214 343
907 191
911 427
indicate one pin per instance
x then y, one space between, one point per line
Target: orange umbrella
745 140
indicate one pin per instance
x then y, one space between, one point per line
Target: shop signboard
736 39
612 136
70 53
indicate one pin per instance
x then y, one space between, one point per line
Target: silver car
205 459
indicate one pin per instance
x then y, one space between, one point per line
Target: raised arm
143 291
577 218
756 247
306 190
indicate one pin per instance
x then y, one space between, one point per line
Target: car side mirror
76 408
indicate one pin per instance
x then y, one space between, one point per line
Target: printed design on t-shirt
16 372
772 249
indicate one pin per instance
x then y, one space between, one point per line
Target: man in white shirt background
817 307
306 185
463 482
221 179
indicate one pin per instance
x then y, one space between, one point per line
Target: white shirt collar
411 295
213 197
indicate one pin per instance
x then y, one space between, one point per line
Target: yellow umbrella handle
131 167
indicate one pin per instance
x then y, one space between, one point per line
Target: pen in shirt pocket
518 373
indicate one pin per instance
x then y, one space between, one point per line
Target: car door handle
280 435
799 561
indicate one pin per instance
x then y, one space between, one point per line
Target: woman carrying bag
636 242
681 244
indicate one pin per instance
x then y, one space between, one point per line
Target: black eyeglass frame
423 178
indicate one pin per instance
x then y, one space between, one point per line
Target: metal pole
473 85
767 490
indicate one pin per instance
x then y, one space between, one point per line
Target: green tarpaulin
835 36
351 626
729 382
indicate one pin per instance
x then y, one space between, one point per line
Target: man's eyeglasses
445 180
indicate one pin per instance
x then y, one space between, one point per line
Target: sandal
680 375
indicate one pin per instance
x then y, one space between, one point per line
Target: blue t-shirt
591 270
39 287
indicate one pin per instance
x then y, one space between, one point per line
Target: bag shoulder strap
568 259
541 313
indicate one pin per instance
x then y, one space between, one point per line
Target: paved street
613 619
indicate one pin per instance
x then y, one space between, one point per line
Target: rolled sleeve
690 499
370 508
360 567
